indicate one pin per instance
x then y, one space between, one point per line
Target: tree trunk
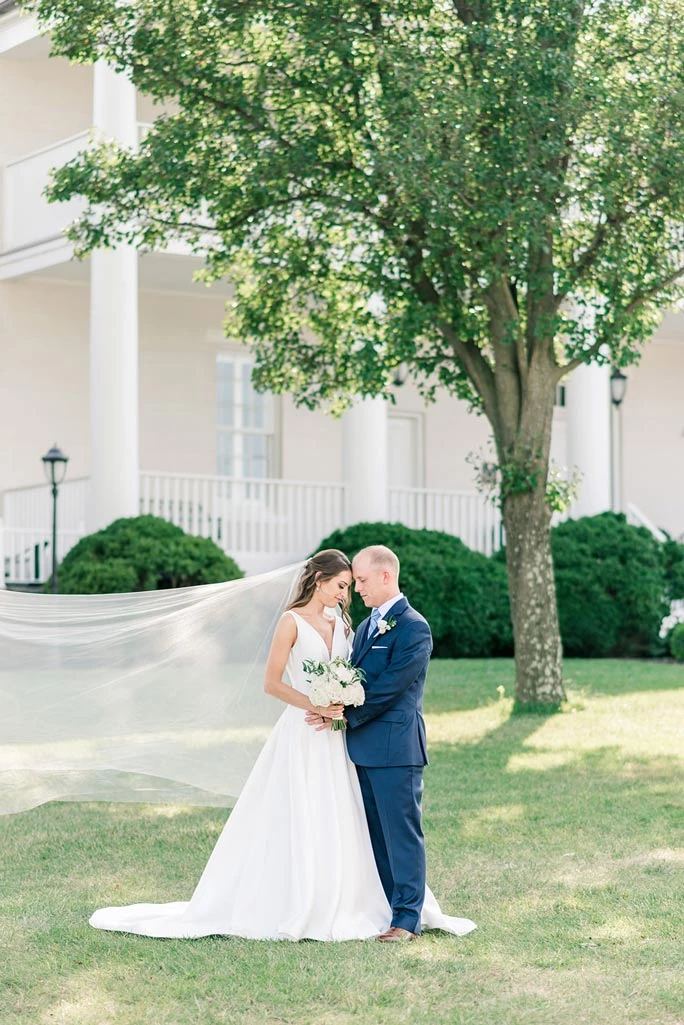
532 588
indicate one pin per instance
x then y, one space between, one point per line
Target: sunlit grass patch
561 836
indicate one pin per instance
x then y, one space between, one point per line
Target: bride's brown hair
321 567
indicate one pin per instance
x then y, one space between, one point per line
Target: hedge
142 553
462 594
677 642
673 554
611 586
611 579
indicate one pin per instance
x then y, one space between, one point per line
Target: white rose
356 695
383 625
319 695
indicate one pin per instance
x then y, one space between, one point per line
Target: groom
386 735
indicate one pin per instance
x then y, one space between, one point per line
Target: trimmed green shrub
610 580
462 594
673 554
677 642
143 553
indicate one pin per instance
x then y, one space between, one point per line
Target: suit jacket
388 729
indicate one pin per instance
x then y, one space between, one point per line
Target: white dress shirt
387 605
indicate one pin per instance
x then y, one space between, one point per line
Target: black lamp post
618 389
55 464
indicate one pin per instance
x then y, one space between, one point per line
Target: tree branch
478 369
470 356
586 357
638 299
588 257
468 11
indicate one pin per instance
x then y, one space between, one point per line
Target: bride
294 860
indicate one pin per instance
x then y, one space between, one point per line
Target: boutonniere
386 624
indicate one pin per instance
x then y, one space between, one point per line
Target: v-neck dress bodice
311 645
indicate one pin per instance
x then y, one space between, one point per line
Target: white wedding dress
294 860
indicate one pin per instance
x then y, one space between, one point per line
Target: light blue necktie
375 617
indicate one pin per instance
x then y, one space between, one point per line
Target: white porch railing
639 519
243 516
259 522
32 506
466 514
26 552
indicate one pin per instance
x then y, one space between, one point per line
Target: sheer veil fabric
158 697
155 696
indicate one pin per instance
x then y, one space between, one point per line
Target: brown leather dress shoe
396 935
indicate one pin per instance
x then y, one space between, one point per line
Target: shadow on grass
623 676
559 795
459 685
571 870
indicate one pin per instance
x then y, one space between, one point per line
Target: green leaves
142 553
457 187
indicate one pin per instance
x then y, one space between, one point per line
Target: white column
114 469
2 554
588 432
364 461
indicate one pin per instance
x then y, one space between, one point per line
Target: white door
405 450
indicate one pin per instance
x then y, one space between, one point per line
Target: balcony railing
28 219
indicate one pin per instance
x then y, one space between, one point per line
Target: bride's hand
317 721
330 711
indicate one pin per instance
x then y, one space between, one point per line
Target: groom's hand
319 722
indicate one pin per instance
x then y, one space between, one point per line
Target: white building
121 360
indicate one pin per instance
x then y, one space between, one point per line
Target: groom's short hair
381 557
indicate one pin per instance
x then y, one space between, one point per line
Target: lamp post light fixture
400 375
618 387
54 464
618 390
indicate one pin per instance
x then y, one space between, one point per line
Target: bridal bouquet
335 682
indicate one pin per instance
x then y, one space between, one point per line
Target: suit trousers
392 798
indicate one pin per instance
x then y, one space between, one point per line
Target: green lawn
562 837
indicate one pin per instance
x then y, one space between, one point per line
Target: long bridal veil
154 696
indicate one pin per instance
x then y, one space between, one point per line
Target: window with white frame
244 421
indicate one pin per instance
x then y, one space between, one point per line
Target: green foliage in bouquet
610 580
143 553
462 594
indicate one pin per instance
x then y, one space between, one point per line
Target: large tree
489 191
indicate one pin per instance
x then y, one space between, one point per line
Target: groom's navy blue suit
386 741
